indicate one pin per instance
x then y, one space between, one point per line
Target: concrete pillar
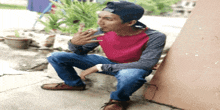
189 77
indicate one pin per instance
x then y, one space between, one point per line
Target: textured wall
189 76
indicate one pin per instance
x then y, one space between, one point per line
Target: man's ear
131 23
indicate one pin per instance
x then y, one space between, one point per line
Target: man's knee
131 74
55 56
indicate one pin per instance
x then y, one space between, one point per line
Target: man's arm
82 49
150 56
87 72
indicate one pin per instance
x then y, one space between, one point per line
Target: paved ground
19 91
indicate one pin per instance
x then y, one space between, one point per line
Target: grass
7 6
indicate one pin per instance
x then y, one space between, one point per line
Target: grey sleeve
84 49
149 58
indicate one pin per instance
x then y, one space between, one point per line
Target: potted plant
17 41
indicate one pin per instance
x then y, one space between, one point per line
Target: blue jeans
129 80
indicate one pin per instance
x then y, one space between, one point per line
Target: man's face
110 22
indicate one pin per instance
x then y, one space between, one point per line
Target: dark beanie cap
127 11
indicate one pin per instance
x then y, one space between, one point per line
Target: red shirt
123 49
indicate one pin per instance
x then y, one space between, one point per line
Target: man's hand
82 38
88 71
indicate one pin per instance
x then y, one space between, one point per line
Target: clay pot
17 42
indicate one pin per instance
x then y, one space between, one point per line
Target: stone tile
18 19
61 41
32 97
10 82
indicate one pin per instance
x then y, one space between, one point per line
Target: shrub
153 7
72 14
156 7
52 22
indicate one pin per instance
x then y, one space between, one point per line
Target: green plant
8 6
104 3
156 7
16 33
74 13
153 7
52 22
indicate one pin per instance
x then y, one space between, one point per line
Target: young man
131 48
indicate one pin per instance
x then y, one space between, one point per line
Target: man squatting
131 48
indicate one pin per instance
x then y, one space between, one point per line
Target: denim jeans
129 80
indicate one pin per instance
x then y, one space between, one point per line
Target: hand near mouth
82 38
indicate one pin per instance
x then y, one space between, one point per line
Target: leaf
16 33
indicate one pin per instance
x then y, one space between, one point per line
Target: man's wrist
70 41
99 67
